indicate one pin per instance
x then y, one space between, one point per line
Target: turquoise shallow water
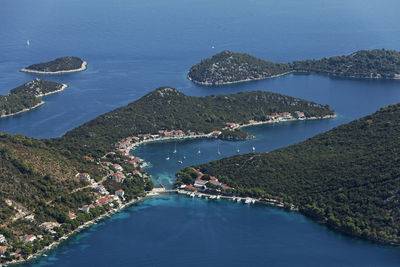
134 46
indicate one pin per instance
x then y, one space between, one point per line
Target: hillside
59 65
348 177
27 96
168 109
230 67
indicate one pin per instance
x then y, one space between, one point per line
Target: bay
133 47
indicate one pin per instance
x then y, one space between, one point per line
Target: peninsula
52 188
346 178
27 96
57 66
230 67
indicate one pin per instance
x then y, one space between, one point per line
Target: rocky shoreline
82 68
37 105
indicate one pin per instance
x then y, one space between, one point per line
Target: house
167 133
100 188
104 200
71 216
119 177
178 133
85 208
133 162
3 249
300 115
2 239
118 167
200 183
108 163
49 226
190 187
231 124
286 115
120 193
29 238
216 133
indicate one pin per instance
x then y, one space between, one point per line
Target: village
121 165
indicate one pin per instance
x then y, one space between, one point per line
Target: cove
133 47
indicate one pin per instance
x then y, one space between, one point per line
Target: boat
237 150
184 157
167 158
253 148
180 161
253 201
234 198
192 194
238 199
213 197
247 201
218 152
218 197
198 151
28 43
174 149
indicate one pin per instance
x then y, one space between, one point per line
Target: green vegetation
348 178
59 64
26 96
234 135
168 109
38 177
362 64
229 67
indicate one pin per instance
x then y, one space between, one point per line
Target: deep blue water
133 47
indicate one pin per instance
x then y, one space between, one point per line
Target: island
53 188
57 66
346 178
27 96
230 67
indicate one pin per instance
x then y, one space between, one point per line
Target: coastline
82 68
396 77
82 227
63 87
253 123
240 81
24 110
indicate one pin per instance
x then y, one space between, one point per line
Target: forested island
57 66
27 96
52 188
347 178
230 67
167 109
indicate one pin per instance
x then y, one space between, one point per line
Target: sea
135 46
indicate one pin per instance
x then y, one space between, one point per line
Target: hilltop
59 65
348 177
27 96
230 67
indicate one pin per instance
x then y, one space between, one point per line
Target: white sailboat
174 149
253 148
218 152
237 149
198 152
28 43
167 158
